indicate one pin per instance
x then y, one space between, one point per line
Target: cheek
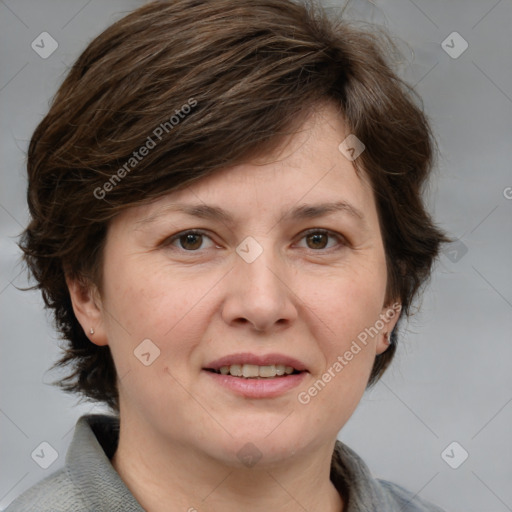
344 311
157 304
344 303
141 295
151 306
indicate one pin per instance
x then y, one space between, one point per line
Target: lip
257 388
259 360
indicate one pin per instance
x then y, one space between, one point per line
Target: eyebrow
306 211
301 212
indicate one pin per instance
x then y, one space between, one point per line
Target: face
252 264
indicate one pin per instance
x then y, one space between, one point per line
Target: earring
91 331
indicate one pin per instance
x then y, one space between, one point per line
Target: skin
306 297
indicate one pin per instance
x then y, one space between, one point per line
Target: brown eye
317 240
320 239
191 241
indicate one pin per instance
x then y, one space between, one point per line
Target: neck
164 476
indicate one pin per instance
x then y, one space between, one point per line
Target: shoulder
88 481
55 493
406 500
357 485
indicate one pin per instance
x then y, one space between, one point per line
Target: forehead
305 175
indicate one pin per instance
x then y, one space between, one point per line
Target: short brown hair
248 70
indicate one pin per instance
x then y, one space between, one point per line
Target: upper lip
259 360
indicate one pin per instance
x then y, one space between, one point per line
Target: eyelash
342 241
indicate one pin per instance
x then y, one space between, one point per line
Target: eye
318 239
190 241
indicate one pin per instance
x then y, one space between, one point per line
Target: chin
264 445
254 455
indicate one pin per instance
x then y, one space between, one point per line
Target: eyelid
197 231
171 239
341 239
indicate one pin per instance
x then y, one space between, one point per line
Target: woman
227 223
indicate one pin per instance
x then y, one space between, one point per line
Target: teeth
268 371
236 370
251 371
280 369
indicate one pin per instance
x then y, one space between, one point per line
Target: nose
258 294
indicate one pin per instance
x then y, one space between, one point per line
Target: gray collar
88 465
95 442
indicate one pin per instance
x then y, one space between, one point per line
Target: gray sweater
89 483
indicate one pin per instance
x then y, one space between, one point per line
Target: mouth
257 376
252 366
253 371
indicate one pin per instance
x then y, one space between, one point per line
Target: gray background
451 380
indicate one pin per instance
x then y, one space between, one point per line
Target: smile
253 371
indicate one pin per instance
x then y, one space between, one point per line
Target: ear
389 317
87 307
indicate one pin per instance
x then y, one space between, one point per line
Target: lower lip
258 388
